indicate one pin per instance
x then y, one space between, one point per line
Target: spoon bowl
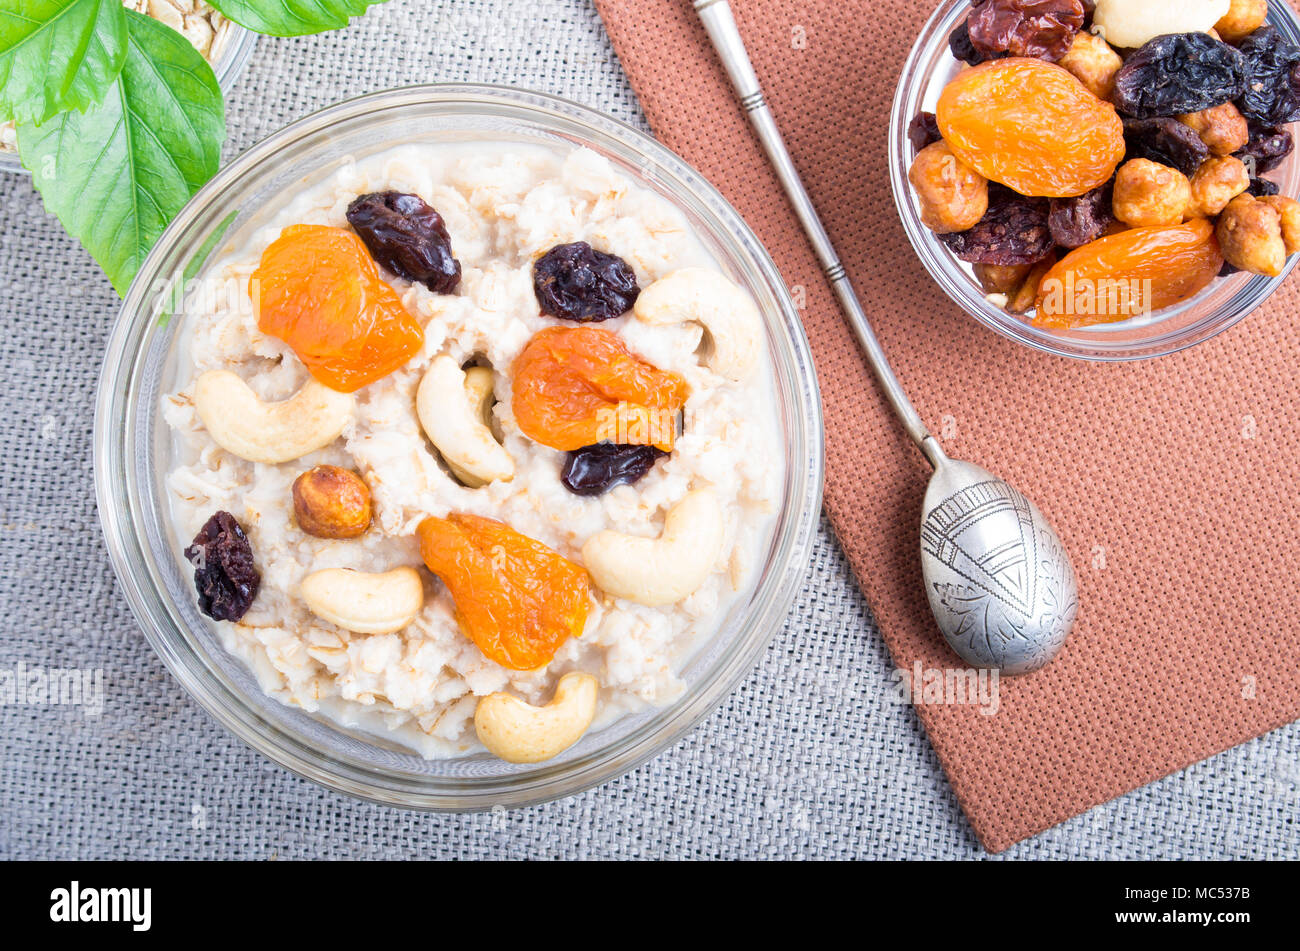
998 579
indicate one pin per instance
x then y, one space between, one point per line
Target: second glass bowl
928 69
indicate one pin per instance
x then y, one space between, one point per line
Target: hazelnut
1223 128
953 196
330 502
1000 278
1288 210
1148 194
1250 236
1024 299
1217 182
1092 61
1243 18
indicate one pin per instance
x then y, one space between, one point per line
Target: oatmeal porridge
478 452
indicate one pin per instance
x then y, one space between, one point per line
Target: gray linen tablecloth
808 757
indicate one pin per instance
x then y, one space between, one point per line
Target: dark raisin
960 44
1266 150
1269 95
224 574
923 130
577 282
1089 8
1166 141
1263 187
1075 222
1178 73
1013 231
1044 29
407 237
594 470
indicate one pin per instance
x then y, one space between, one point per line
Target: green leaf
292 17
57 55
118 173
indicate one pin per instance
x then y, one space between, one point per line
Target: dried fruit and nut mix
206 29
1098 162
445 435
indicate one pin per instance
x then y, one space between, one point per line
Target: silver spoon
997 576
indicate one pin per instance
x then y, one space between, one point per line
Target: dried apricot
318 290
1133 272
517 599
577 386
1031 126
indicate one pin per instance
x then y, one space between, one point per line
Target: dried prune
405 235
1179 73
594 470
1076 221
1263 188
1266 149
923 130
1013 231
962 48
224 574
1270 94
577 282
1043 29
1166 141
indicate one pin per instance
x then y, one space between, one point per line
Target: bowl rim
228 69
115 446
941 265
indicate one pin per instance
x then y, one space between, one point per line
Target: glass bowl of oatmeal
223 43
666 588
929 69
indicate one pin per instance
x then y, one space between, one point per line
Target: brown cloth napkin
1173 482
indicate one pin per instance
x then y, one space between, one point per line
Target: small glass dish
928 69
133 448
239 48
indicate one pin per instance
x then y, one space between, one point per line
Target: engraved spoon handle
721 26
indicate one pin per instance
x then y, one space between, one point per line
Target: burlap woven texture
808 758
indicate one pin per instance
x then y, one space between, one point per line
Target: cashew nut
451 403
518 732
241 423
479 389
663 570
719 306
362 602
